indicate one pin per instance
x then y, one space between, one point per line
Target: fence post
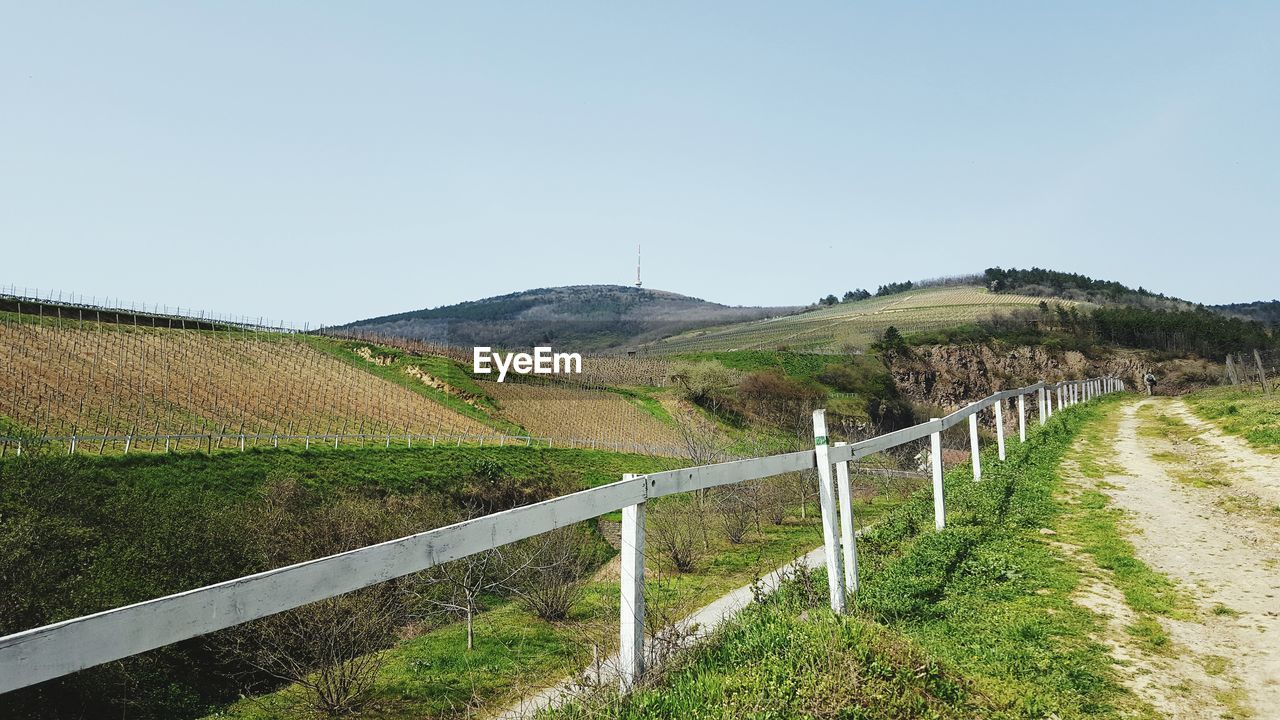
1000 429
973 446
241 442
631 633
935 460
1022 418
830 525
128 440
73 446
1262 374
1041 396
848 538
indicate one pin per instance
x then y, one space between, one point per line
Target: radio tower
638 265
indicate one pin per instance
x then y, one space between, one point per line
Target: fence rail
51 651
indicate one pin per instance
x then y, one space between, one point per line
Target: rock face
949 376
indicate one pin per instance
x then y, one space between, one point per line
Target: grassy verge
432 675
438 469
1243 411
974 621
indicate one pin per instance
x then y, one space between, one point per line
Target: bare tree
735 508
677 532
455 588
553 569
331 647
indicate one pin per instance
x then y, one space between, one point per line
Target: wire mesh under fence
1259 368
703 529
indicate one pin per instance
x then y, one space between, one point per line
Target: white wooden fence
43 653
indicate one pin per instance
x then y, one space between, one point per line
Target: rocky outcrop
949 376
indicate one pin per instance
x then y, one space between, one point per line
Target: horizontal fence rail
55 650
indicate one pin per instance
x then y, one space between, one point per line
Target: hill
1263 311
241 389
857 323
584 317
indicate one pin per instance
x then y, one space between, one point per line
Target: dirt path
1205 511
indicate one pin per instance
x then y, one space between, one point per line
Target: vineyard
71 378
598 371
593 415
853 323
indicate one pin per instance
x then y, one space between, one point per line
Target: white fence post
1040 402
973 446
830 525
848 538
631 633
999 406
935 460
1022 418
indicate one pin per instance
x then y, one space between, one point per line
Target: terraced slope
856 323
112 379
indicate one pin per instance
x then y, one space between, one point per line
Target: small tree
553 570
455 588
676 532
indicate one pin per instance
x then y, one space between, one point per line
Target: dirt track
1204 510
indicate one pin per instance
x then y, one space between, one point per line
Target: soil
1219 541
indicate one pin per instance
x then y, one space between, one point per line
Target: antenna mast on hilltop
638 265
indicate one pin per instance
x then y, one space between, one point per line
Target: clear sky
332 161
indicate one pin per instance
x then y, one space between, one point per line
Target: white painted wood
1022 418
939 498
47 652
670 482
999 408
848 539
830 524
631 620
1040 404
863 448
973 447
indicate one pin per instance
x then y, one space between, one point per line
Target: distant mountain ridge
1263 311
575 317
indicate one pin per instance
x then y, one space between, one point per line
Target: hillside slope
117 380
581 317
852 323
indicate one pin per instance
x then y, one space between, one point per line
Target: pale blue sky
331 161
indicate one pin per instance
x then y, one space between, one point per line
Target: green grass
1097 529
432 675
785 658
973 621
643 398
1244 411
441 368
393 470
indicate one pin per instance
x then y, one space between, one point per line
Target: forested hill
1263 311
1040 282
580 317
